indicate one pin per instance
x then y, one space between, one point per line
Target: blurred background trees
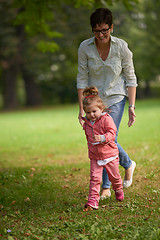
39 41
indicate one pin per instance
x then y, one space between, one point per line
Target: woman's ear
111 28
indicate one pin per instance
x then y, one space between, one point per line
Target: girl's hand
97 138
132 116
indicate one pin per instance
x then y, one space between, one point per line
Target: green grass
44 177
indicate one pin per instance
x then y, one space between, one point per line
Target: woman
106 62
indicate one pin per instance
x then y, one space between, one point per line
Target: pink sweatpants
112 169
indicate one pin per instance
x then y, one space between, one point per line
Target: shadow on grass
47 203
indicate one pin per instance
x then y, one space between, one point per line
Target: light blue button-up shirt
112 76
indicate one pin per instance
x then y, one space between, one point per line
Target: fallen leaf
23 177
27 234
88 208
10 238
65 186
146 206
17 212
27 199
13 202
33 169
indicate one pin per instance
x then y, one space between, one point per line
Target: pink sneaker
119 195
92 203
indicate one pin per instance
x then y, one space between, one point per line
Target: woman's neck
103 49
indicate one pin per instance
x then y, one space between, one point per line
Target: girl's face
102 32
93 112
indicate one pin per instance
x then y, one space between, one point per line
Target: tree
36 18
139 26
145 34
36 15
9 57
13 60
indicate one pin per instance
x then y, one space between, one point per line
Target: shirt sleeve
128 67
110 129
82 77
103 139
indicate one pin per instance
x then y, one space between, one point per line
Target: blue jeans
116 113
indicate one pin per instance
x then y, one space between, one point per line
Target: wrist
103 138
81 111
130 106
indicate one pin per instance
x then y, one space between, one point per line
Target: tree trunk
147 90
9 76
33 95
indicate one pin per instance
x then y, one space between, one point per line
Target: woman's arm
131 81
131 99
82 78
81 111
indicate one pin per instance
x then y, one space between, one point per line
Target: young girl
100 132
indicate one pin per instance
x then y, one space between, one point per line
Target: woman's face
102 32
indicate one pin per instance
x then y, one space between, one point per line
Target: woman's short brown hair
99 16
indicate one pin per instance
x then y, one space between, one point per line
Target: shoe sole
92 206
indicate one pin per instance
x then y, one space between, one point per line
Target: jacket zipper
96 145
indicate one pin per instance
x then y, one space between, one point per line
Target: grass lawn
44 177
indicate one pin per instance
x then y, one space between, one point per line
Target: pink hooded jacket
102 126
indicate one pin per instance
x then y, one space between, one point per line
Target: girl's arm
109 133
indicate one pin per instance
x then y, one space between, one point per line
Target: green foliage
129 4
139 27
152 20
49 46
36 15
56 28
143 37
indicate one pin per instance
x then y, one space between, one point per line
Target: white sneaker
127 183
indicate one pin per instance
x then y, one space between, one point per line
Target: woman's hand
81 110
132 116
81 121
131 99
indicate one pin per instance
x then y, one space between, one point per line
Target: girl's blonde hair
91 96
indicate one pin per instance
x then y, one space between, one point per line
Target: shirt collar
92 40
